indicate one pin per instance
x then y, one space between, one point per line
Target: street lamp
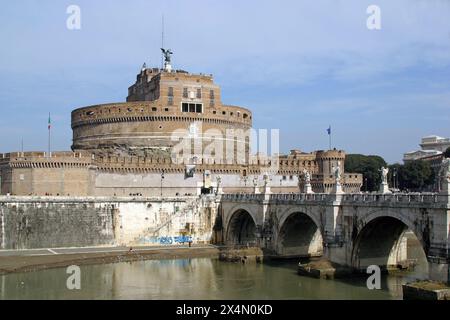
394 173
162 178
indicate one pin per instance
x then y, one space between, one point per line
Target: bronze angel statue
166 53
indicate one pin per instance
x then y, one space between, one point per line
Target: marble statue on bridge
255 185
444 175
384 174
337 171
384 186
219 189
307 178
266 179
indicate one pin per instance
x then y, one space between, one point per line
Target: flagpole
329 136
49 127
162 41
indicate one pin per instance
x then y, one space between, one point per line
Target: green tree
368 166
447 153
416 175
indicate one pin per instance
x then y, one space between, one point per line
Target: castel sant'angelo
173 136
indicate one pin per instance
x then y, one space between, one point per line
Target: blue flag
329 130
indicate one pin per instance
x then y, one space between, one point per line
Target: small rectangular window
211 94
199 93
170 92
192 107
185 92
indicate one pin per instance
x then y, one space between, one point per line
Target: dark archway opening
390 244
241 229
299 237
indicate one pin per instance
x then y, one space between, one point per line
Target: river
200 278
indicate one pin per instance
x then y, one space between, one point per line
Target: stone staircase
190 205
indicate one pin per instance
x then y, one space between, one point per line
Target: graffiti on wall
167 240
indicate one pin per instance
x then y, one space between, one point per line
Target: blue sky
299 65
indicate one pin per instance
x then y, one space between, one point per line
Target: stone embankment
26 263
426 290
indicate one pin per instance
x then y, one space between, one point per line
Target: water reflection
194 279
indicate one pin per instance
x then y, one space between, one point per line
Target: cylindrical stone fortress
184 106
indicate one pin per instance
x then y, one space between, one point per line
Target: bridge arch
382 240
299 235
241 228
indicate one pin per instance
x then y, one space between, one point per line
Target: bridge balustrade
349 198
395 198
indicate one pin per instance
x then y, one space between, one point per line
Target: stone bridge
351 230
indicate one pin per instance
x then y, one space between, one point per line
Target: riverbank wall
56 222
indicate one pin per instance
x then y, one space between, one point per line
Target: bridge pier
335 249
439 270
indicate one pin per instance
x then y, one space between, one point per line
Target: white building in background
419 154
431 146
435 143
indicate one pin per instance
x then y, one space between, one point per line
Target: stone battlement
44 159
87 199
330 154
152 111
43 154
128 162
